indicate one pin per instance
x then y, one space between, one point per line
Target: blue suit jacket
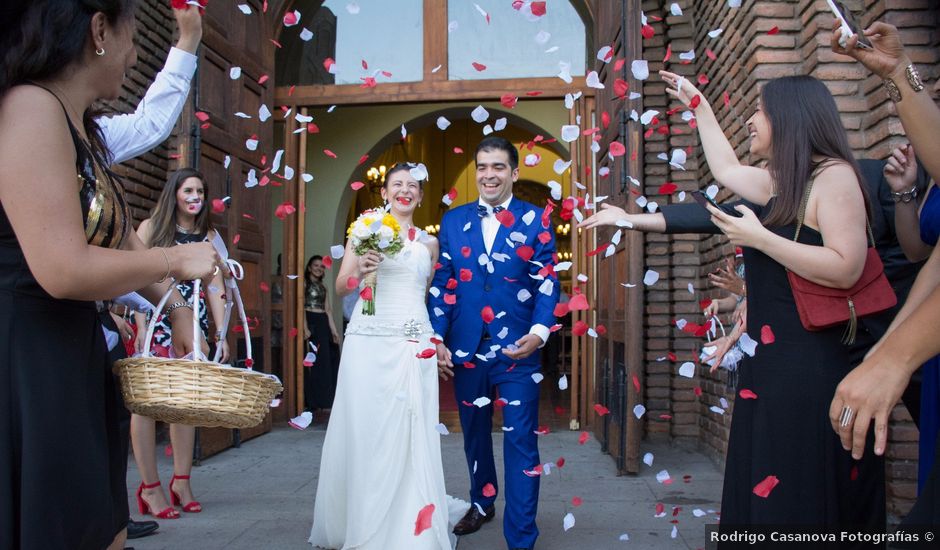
461 324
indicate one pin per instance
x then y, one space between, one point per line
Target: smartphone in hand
702 199
850 25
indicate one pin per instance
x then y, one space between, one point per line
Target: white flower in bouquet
379 231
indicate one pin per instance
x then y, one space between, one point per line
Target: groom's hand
445 366
525 347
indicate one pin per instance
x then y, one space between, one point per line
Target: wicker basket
198 393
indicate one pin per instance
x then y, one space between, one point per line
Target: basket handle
708 335
238 272
148 350
232 298
232 294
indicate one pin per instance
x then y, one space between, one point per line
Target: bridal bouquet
379 231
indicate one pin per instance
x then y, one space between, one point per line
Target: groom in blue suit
492 302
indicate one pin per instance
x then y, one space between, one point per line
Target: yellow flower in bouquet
379 231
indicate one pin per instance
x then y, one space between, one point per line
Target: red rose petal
578 302
582 439
506 218
466 275
764 488
636 383
747 394
617 149
601 410
545 237
695 102
327 262
366 293
489 490
561 310
576 501
621 87
427 353
218 206
357 185
508 100
538 8
479 66
580 328
450 299
525 252
423 523
767 335
329 153
487 314
465 251
773 30
667 188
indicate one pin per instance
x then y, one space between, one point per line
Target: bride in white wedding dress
381 463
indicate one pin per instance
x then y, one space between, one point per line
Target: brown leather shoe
473 520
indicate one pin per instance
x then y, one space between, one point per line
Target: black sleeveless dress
163 329
785 432
62 477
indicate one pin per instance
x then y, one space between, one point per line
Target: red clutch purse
821 307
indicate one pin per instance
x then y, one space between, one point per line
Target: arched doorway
353 125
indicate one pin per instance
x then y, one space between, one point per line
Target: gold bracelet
913 80
165 257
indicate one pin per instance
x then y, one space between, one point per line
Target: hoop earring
99 52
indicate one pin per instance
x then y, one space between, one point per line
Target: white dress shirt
129 135
490 226
133 134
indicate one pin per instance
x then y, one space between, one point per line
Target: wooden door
217 148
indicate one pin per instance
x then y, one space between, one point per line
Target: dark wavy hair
804 121
39 39
163 215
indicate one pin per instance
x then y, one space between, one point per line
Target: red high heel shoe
193 507
169 513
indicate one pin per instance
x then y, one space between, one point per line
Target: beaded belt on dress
411 328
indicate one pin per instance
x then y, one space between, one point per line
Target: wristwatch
906 196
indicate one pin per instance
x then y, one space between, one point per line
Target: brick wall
744 56
145 175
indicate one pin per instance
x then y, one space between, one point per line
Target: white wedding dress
381 462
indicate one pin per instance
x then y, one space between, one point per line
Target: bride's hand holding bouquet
375 234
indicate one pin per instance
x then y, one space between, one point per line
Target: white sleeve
130 135
542 332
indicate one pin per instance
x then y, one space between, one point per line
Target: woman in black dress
65 241
180 216
784 434
320 377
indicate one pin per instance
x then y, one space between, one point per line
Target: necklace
183 230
